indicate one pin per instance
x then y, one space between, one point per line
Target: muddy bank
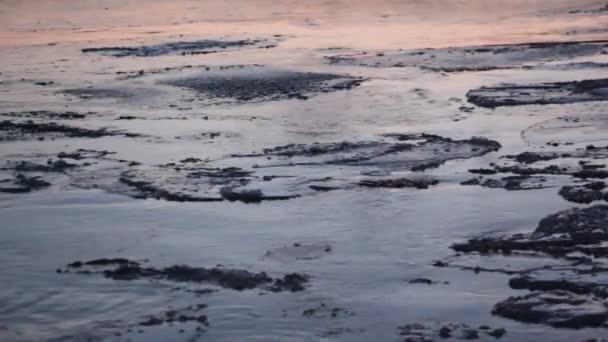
180 48
540 93
475 58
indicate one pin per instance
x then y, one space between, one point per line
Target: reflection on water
360 24
379 239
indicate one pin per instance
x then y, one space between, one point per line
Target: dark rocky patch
322 188
100 93
509 183
427 166
150 190
250 195
189 314
425 281
472 181
583 193
483 171
453 331
208 136
576 223
588 166
10 131
130 117
567 296
404 150
516 183
23 184
104 262
557 234
590 11
45 114
175 48
299 251
125 75
475 58
81 154
324 311
561 309
197 180
540 93
58 165
398 183
533 157
227 278
577 286
591 173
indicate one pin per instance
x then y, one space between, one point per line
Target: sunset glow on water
324 170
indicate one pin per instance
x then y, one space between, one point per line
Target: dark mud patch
454 331
475 58
257 85
179 48
235 279
28 130
540 93
45 114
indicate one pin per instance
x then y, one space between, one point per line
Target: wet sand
336 171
